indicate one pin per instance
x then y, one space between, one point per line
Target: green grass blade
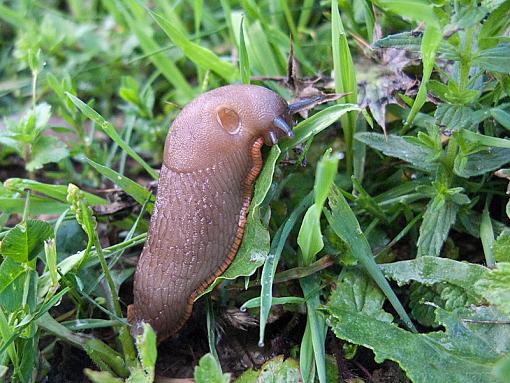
487 237
344 223
139 193
201 56
317 123
345 80
432 37
269 269
155 53
111 132
244 59
311 288
306 356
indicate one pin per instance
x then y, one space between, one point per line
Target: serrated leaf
437 221
45 150
356 291
451 356
25 240
209 371
396 146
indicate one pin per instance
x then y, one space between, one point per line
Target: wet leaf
448 356
396 146
24 241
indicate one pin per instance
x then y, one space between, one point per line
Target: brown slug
211 159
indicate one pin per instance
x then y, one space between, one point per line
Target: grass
382 225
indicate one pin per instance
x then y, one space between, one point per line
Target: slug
211 159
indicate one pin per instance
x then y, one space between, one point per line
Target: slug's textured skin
211 159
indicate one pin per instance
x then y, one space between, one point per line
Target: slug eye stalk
300 105
280 123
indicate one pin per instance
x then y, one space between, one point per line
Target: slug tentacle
212 158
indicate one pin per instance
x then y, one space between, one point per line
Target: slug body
211 159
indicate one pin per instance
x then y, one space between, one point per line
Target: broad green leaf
209 371
25 240
495 287
494 59
396 146
345 225
111 132
438 219
201 56
45 150
138 192
276 370
486 160
449 356
431 270
357 292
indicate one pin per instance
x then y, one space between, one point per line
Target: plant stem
124 336
465 61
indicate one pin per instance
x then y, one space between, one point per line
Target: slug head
222 121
